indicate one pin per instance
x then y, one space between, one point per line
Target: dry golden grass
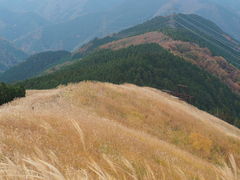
96 130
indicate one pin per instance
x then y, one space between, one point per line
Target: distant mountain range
69 24
9 55
14 25
60 10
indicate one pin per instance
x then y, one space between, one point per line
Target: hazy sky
51 9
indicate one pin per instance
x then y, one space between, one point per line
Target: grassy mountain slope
105 131
9 55
149 65
34 66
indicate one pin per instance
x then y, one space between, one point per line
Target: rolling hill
34 66
9 55
104 131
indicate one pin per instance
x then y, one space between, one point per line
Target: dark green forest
10 92
34 65
148 65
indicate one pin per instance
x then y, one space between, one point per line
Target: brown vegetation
105 131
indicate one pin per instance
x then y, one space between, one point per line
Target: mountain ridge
9 55
15 25
181 27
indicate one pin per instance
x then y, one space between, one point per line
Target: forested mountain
192 37
190 52
9 55
73 23
188 28
34 65
149 65
218 11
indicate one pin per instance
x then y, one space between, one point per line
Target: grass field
103 131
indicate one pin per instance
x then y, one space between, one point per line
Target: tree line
10 92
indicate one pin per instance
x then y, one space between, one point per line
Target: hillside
9 55
105 131
149 65
191 52
34 66
223 13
